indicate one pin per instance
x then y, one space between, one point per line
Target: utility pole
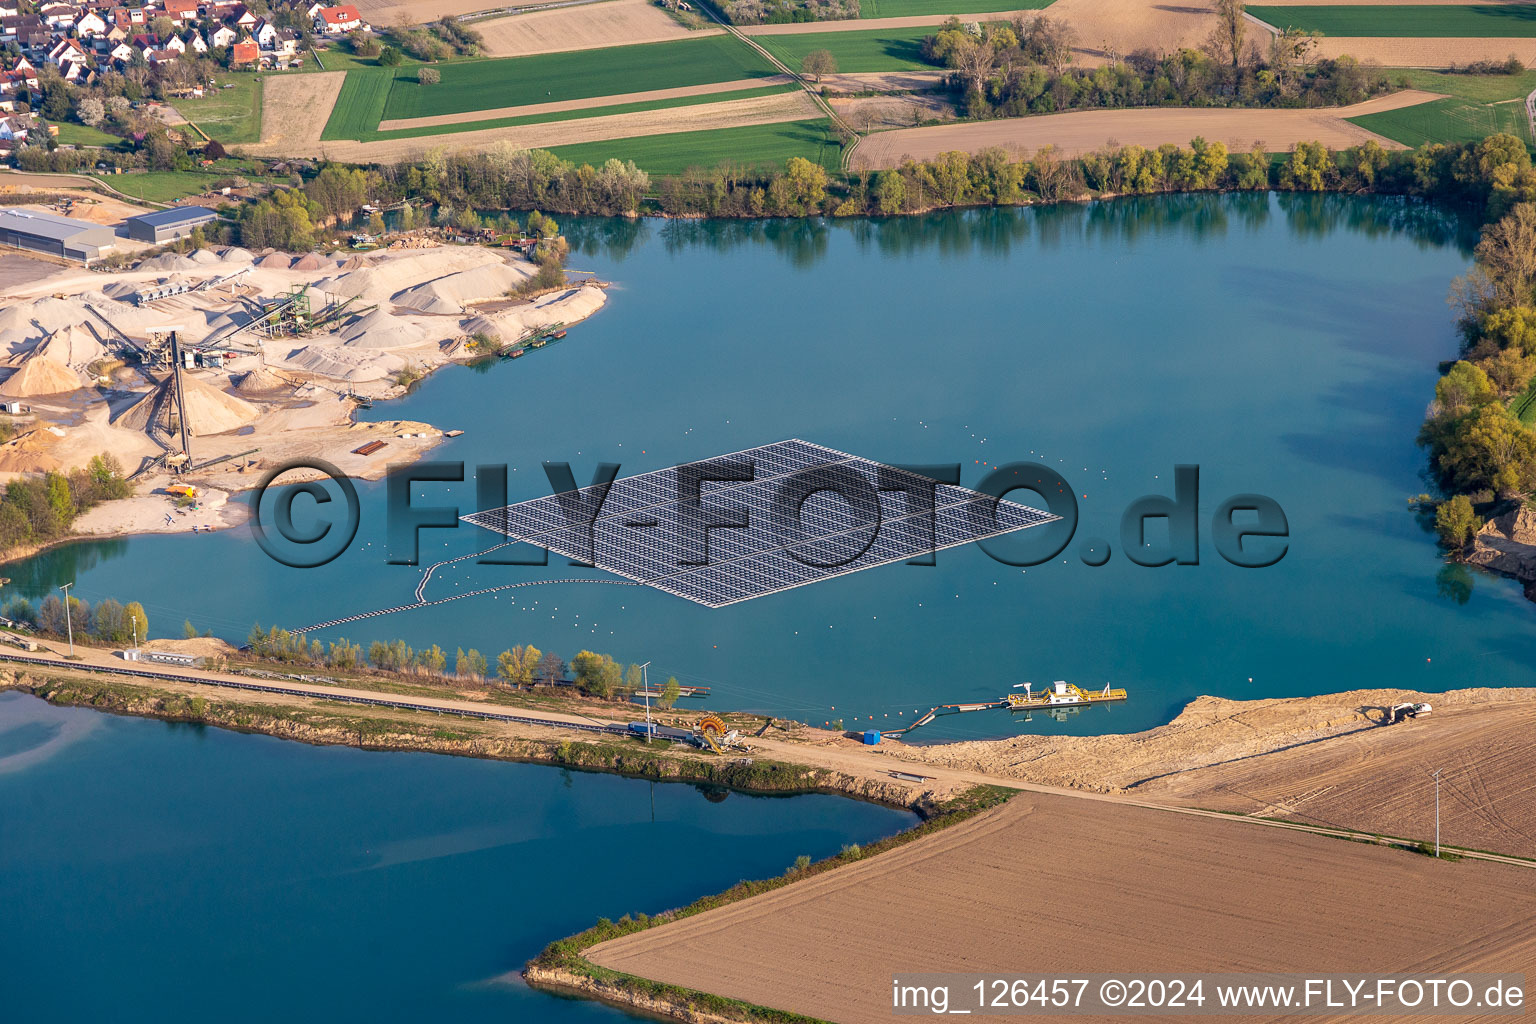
645 685
1437 812
69 618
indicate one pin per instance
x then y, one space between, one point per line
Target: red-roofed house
244 52
181 11
338 21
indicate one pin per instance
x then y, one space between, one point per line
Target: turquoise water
1286 344
162 872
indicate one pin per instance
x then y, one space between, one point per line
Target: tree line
39 509
519 667
109 622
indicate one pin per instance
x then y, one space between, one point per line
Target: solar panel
795 513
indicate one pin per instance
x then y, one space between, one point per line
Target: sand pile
379 330
389 276
29 453
262 381
450 294
120 290
349 364
484 325
167 261
238 255
311 262
40 375
209 410
274 261
356 263
204 257
75 346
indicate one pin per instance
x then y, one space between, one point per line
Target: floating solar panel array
758 522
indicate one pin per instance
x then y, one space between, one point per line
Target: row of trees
39 509
1017 68
1481 448
1493 174
518 667
109 622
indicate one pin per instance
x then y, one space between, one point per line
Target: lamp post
69 619
645 685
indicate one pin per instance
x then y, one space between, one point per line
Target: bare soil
725 114
1085 131
1122 27
1379 779
532 109
868 113
294 109
386 13
586 27
1050 884
1424 52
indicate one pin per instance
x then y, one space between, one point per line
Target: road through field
1085 131
1049 884
533 109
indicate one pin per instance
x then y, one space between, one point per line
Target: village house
91 25
181 12
241 17
243 54
13 129
338 21
222 36
265 33
58 16
195 43
66 50
122 53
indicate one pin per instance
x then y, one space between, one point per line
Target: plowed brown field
1050 884
588 26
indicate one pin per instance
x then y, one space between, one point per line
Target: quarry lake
178 872
1286 344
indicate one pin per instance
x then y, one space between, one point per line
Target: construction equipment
712 729
1406 710
182 490
1061 693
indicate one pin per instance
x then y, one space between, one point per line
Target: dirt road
1079 132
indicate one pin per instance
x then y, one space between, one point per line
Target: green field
71 134
765 145
944 8
583 74
576 115
1524 405
229 115
1478 106
161 186
870 50
1359 20
360 104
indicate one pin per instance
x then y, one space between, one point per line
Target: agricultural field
454 127
556 29
230 115
1470 21
856 52
360 106
1476 106
544 78
162 186
944 8
750 146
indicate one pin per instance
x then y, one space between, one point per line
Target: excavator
1402 712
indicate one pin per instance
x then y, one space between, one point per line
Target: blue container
872 737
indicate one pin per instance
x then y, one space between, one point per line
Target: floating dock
1060 694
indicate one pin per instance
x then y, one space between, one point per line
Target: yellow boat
1061 694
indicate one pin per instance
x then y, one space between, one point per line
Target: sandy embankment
1085 131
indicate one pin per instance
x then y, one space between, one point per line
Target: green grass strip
1449 120
360 104
579 75
576 115
1462 22
898 49
758 145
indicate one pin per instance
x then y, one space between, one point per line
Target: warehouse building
55 235
168 225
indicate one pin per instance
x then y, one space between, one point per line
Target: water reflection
44 573
1200 217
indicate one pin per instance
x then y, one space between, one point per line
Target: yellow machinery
182 490
712 728
1061 694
